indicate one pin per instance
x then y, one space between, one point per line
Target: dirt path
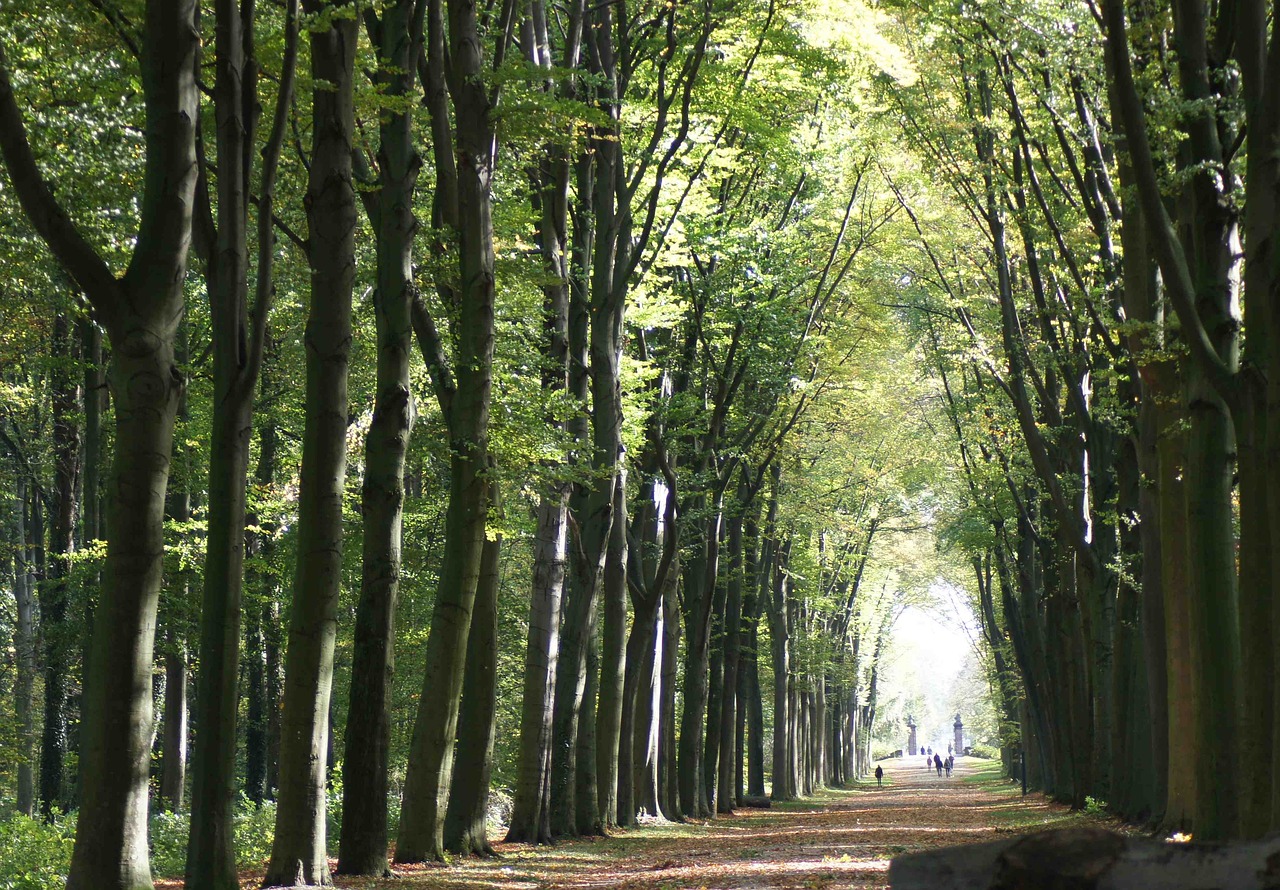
840 839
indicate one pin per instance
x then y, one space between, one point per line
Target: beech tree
299 856
464 198
140 312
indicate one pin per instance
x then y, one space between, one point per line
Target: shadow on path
840 838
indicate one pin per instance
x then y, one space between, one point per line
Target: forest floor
838 838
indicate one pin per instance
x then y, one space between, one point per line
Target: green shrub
254 829
168 837
33 855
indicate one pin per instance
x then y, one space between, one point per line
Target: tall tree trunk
95 385
255 726
755 722
298 853
362 848
638 712
646 728
531 809
238 349
272 641
25 655
176 620
115 747
700 582
1184 782
668 775
586 803
65 397
1216 668
261 672
140 311
466 817
780 650
613 664
727 785
431 751
715 692
1202 280
530 817
173 773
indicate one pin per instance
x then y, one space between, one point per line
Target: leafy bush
987 752
253 827
168 836
33 855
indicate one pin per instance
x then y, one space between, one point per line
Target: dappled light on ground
839 839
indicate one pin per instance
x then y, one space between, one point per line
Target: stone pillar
959 727
911 736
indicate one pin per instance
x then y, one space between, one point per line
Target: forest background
596 388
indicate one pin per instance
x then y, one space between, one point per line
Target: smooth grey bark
140 312
699 583
1141 291
613 245
238 343
298 854
668 775
782 787
726 786
466 817
531 808
176 621
651 565
646 729
715 687
427 777
586 802
613 634
587 554
362 848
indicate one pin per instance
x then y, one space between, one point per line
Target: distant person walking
948 763
879 775
937 762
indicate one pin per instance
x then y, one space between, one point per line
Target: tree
464 196
239 340
298 854
140 312
363 847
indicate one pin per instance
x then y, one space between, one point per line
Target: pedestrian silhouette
937 762
879 775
